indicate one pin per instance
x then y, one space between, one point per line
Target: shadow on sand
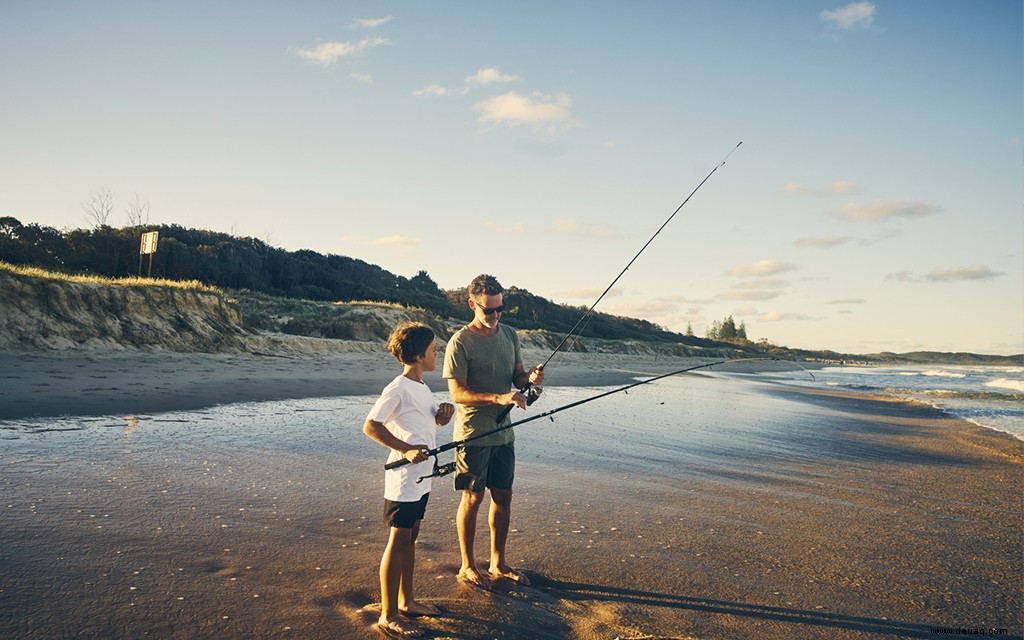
579 592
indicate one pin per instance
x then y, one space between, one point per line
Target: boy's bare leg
406 592
465 520
392 566
499 518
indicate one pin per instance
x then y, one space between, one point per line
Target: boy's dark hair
485 284
408 340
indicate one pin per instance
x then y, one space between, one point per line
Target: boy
405 419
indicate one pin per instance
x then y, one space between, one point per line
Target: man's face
487 309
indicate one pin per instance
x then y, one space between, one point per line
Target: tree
98 208
137 212
689 329
726 331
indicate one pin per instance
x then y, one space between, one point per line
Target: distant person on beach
405 419
482 365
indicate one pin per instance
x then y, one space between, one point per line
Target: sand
863 518
54 383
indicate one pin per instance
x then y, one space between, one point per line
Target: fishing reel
440 470
532 394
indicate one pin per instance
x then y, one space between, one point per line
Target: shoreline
778 512
52 384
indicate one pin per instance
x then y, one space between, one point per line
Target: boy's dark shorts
479 468
403 515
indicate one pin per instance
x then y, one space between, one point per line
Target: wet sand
39 384
777 513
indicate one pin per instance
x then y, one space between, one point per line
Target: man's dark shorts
403 515
479 468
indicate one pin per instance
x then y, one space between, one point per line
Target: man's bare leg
499 517
465 521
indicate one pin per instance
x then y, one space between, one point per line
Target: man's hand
537 375
515 398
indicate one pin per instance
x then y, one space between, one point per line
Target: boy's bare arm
377 432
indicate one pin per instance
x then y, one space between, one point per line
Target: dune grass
131 281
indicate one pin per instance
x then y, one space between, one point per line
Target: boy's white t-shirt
407 408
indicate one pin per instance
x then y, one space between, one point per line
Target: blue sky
874 205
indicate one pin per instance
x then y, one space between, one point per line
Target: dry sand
894 520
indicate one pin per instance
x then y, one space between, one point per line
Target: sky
876 202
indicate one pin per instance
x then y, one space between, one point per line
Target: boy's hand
416 455
445 411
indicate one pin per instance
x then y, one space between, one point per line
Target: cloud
849 301
778 316
371 23
826 242
327 53
901 276
396 241
657 308
748 294
857 15
972 272
363 78
881 210
841 188
956 274
514 229
490 75
565 227
761 268
433 90
536 110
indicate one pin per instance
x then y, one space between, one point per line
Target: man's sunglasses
489 310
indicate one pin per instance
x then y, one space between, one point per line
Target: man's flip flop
398 634
515 576
479 582
434 611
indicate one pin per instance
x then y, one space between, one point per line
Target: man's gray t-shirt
487 364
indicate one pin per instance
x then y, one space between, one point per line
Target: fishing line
441 470
585 318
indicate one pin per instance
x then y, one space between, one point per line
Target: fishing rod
441 470
529 390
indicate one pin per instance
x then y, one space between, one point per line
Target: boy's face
430 357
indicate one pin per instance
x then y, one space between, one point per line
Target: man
482 364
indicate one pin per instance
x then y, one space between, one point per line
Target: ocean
991 397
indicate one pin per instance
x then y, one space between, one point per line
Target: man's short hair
485 284
409 340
